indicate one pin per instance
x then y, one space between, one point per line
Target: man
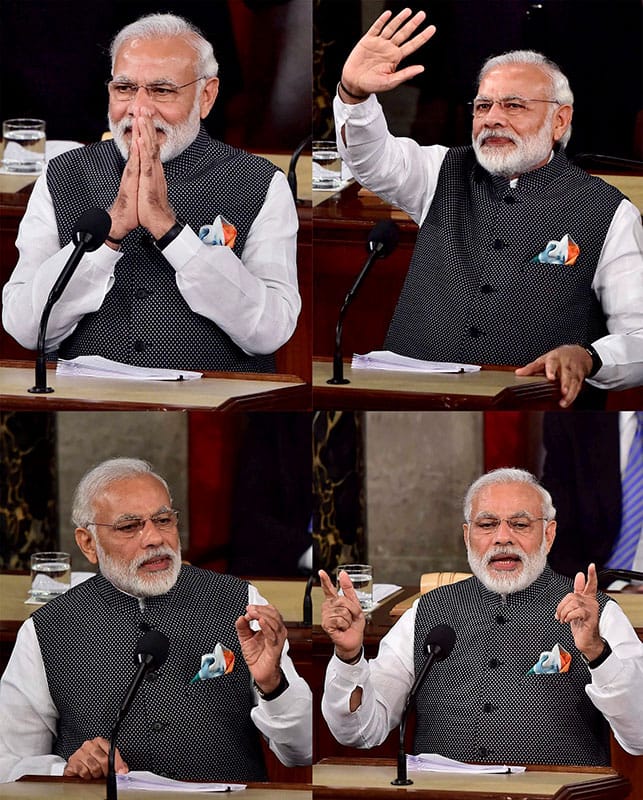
512 619
198 271
521 256
73 658
593 469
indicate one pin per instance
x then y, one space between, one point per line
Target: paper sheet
385 359
432 762
99 367
148 781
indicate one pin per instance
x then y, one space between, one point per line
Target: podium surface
364 779
213 392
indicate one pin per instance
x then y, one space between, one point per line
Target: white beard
177 137
125 576
507 583
528 152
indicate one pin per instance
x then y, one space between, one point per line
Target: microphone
308 601
292 175
89 233
151 652
439 643
619 574
382 240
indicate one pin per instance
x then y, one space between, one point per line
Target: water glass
327 166
361 576
50 575
23 146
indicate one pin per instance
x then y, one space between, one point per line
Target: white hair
503 476
97 480
164 26
560 88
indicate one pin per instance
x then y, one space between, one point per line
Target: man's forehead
518 78
166 54
134 490
503 496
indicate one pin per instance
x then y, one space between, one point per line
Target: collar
532 595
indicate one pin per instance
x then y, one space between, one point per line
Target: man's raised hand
372 64
342 616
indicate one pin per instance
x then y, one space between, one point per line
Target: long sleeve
286 721
254 298
27 714
616 688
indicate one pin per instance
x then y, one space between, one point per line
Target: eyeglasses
524 523
512 106
128 527
161 92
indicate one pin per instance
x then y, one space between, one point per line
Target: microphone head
93 226
440 641
384 237
152 649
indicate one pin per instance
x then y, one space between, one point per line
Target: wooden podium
216 391
371 779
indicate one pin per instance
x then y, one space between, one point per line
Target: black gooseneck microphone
308 600
381 241
619 574
292 174
439 644
89 233
151 652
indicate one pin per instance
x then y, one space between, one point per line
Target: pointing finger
346 585
591 587
327 585
579 583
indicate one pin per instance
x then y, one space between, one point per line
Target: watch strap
596 662
171 235
277 691
597 362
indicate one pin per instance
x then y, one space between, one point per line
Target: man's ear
562 121
208 96
87 545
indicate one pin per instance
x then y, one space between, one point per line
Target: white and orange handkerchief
215 664
552 661
221 232
564 252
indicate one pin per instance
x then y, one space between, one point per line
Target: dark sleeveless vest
198 732
480 705
473 292
144 319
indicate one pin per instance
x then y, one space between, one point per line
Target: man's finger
535 367
591 587
579 583
327 585
346 585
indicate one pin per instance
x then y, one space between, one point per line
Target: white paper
383 590
385 359
432 762
140 780
76 578
99 367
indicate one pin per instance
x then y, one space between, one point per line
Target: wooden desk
37 788
214 392
363 778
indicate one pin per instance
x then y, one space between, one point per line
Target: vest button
157 726
510 199
152 676
488 707
498 244
475 332
142 294
494 663
500 619
139 346
483 752
486 288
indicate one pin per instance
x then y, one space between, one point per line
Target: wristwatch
596 662
171 235
597 363
279 690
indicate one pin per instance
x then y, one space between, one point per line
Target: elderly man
539 662
199 268
193 719
521 256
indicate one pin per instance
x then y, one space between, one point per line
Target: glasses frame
148 87
141 523
475 524
501 102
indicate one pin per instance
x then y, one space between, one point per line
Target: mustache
493 134
158 552
125 126
512 552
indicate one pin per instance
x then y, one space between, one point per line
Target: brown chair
431 580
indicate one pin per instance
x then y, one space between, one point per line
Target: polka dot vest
144 319
474 293
480 704
198 732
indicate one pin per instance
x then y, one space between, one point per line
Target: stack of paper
99 367
384 359
155 783
432 762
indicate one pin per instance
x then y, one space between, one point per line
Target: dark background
54 62
597 44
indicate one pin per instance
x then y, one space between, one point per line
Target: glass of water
23 146
361 576
50 575
327 166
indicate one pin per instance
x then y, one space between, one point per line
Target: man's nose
150 535
496 115
504 534
140 101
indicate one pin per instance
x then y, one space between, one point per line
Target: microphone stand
58 288
338 364
308 601
292 175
